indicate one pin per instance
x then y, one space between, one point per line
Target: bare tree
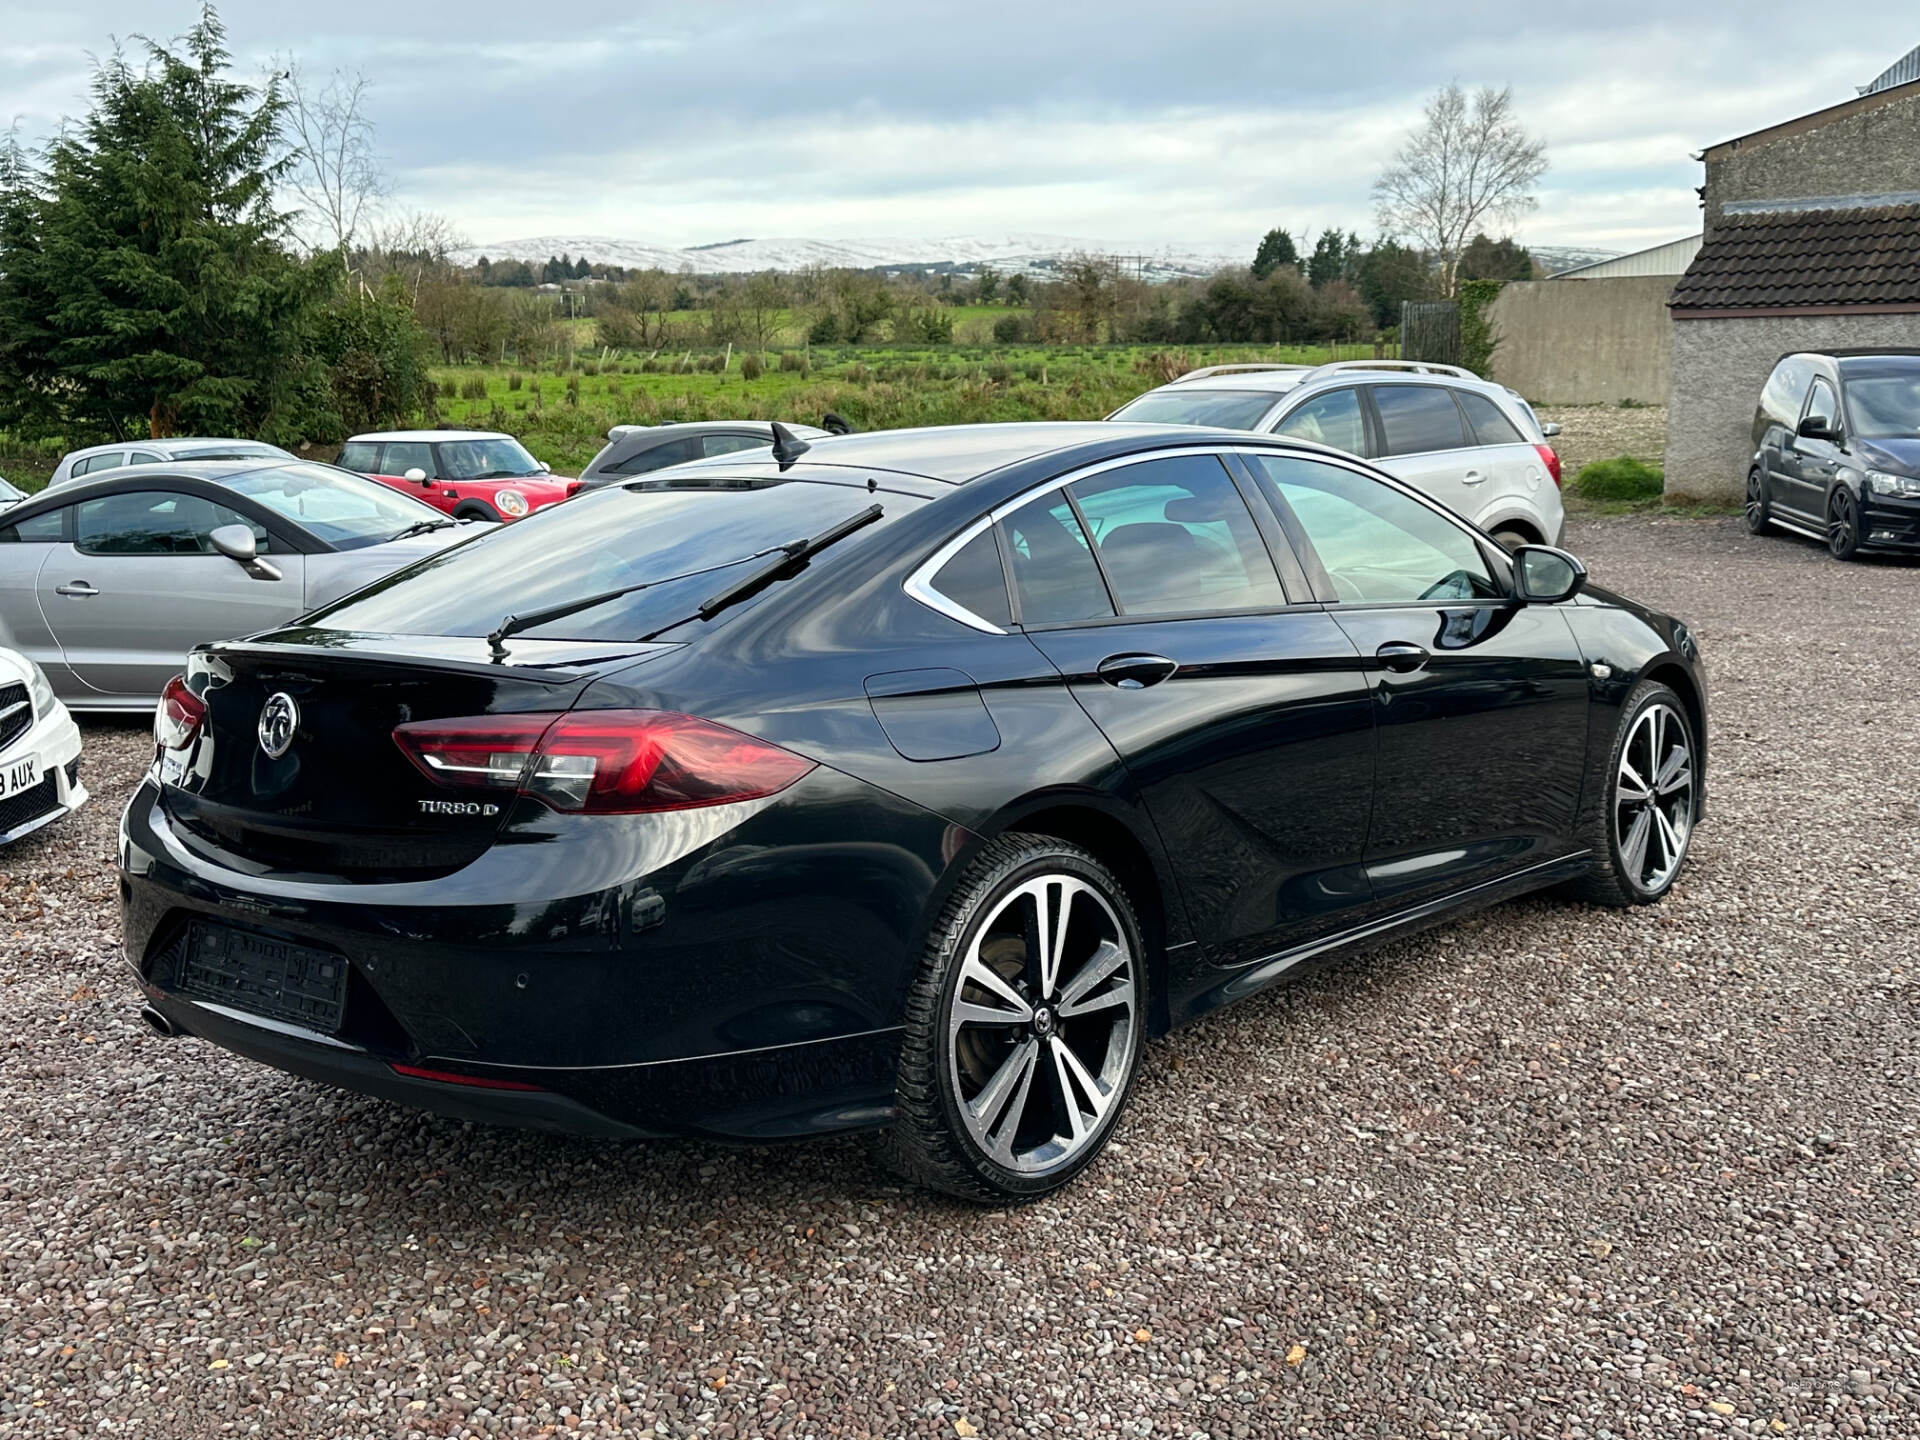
1468 163
336 171
416 245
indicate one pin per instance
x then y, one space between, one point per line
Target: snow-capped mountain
1037 255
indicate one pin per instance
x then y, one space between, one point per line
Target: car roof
1278 379
428 435
956 454
212 472
171 442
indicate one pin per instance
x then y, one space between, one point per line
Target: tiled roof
1794 259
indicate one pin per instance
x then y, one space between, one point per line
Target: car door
1808 464
1480 704
1240 710
140 584
26 546
1513 467
1424 441
1332 417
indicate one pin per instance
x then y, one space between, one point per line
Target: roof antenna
787 446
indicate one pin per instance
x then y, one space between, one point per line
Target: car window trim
1361 403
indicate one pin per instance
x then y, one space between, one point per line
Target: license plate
264 976
18 775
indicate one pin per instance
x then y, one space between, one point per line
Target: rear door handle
1472 477
1402 657
1135 672
77 588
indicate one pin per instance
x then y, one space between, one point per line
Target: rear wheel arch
475 510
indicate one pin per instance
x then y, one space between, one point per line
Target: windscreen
598 541
1886 406
1229 409
340 507
8 492
485 459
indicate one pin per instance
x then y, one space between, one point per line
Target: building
1812 240
1671 259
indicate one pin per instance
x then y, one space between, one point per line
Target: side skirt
1242 981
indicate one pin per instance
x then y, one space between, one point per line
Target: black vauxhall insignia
907 785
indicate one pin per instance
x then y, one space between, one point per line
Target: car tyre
1648 783
1759 504
1843 524
1512 539
1023 1028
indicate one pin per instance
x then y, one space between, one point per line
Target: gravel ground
1550 1171
1600 432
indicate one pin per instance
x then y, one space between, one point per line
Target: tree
335 171
761 301
1503 259
1016 289
1276 249
1469 162
1330 258
582 268
1390 274
987 286
145 281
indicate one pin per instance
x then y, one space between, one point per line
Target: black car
908 785
1837 450
641 449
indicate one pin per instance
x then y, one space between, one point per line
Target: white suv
1474 446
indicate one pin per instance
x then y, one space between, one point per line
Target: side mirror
236 542
1543 575
417 475
1550 429
1818 427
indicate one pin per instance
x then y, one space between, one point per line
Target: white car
39 751
96 458
1474 446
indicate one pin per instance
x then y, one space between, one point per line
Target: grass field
563 418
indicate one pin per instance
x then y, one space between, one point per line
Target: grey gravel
1550 1171
1600 432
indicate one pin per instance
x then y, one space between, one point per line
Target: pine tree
1276 249
148 285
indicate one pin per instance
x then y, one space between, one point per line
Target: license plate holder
263 976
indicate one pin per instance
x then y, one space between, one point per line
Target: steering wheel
1455 586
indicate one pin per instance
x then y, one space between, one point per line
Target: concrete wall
1718 369
1868 146
1584 342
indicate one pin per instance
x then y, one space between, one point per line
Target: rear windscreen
605 540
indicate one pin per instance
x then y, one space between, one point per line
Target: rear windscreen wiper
788 558
514 624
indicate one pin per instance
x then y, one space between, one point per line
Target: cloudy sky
1138 124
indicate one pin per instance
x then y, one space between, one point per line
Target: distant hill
1037 256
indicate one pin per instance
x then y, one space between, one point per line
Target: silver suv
1474 446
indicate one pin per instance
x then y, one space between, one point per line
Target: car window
1490 424
147 457
1229 409
732 444
1885 407
973 579
1376 544
404 455
153 522
1176 538
1820 402
340 507
607 539
360 455
40 528
10 491
1786 391
112 460
485 460
671 452
1054 573
1418 419
1330 419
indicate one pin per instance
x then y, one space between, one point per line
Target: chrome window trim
919 584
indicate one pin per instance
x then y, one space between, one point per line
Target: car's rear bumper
749 986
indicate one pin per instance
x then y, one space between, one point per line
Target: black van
1837 450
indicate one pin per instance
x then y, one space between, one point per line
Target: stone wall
1869 146
1718 369
1585 342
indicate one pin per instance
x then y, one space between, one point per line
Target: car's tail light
602 762
179 715
574 487
1551 459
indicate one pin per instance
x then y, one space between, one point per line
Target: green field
563 416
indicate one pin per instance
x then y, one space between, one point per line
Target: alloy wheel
1756 501
1043 1024
1841 539
1653 798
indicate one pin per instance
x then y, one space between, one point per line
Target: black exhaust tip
158 1023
